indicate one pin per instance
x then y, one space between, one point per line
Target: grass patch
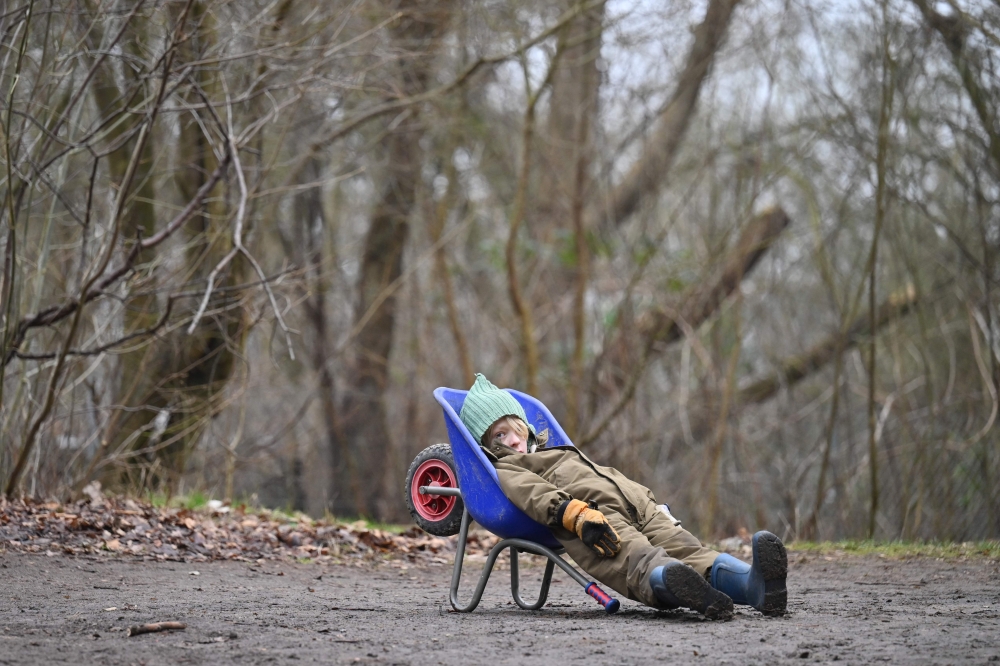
192 500
388 527
902 549
159 500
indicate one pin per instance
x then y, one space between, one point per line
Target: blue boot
676 585
762 584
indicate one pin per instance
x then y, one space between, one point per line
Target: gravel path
853 610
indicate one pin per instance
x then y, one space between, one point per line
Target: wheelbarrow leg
456 576
610 604
515 582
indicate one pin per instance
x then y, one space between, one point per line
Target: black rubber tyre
440 515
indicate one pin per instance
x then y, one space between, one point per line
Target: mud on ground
851 610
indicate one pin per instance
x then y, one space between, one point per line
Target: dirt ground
853 610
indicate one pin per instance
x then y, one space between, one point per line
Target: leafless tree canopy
745 252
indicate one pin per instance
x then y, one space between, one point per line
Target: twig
103 348
239 248
393 106
82 90
55 313
153 627
987 381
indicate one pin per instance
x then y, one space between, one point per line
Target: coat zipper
632 512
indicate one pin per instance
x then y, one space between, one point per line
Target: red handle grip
610 604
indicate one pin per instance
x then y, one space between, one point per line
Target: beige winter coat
539 482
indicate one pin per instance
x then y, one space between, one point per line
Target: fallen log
792 371
662 326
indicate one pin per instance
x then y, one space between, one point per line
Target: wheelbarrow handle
436 490
611 605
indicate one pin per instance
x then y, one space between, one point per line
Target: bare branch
146 332
461 79
660 329
238 248
649 173
56 313
794 370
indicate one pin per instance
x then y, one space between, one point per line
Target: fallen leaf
89 527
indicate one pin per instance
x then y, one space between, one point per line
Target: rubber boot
678 585
761 584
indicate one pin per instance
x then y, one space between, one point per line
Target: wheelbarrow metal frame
516 547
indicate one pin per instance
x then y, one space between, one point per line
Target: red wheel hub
438 474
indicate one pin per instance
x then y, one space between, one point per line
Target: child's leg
761 585
678 543
628 572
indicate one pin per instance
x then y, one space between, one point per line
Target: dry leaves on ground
127 527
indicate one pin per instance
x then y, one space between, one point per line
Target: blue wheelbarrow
447 486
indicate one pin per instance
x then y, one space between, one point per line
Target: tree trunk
567 178
138 221
646 179
183 373
366 438
311 228
649 173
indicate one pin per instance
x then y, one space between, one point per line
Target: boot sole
772 559
693 591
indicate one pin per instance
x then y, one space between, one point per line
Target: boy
611 526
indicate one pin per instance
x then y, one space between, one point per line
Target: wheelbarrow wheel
440 515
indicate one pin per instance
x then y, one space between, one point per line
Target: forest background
744 251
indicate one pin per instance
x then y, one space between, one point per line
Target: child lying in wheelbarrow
612 526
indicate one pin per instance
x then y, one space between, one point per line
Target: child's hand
592 528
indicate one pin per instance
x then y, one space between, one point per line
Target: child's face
510 432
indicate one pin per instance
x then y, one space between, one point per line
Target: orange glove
591 526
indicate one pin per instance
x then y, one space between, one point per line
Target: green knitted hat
485 404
